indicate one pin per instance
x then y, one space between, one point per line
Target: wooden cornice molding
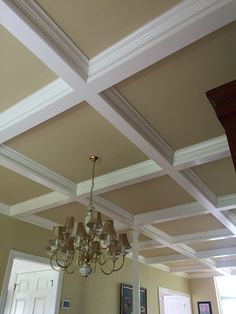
223 100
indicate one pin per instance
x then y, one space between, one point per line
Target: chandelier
89 244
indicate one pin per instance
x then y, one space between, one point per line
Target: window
227 293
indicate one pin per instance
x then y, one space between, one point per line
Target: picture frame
126 299
204 307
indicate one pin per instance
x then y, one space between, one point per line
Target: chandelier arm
123 262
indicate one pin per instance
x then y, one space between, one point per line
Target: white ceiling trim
38 221
190 268
185 23
25 166
207 151
224 251
5 209
40 203
226 202
183 249
210 235
165 259
34 110
171 213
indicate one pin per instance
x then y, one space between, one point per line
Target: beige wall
106 288
86 296
203 289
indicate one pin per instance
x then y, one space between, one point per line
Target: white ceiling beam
171 213
183 249
173 30
226 202
40 203
166 258
25 166
142 171
5 209
206 151
39 221
188 268
47 102
109 209
224 251
210 235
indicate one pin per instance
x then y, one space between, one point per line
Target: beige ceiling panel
15 188
143 237
218 175
65 143
190 225
150 195
158 252
59 214
170 95
17 62
216 244
96 25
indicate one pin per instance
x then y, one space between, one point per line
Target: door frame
32 258
164 291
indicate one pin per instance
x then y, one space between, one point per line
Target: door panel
34 293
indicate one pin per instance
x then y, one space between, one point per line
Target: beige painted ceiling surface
15 188
96 25
65 143
170 94
216 244
218 175
157 252
190 225
21 72
150 195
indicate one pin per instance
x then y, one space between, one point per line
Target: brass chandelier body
89 244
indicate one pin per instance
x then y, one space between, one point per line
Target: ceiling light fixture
86 245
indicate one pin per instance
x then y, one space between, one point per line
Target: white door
175 305
33 293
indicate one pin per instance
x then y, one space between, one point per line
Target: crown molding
25 166
186 23
42 25
127 113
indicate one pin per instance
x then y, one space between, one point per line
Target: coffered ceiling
125 81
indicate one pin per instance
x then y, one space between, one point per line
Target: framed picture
204 307
126 299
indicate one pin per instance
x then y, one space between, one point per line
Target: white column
136 280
